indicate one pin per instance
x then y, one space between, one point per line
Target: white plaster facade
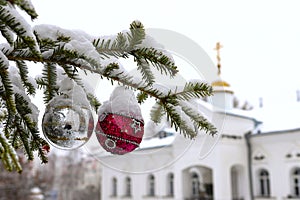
214 172
278 153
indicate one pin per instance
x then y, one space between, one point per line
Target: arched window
195 185
114 187
151 185
162 134
296 182
170 186
128 187
264 182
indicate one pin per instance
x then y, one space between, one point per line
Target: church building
243 161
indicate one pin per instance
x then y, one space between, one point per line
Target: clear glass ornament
67 125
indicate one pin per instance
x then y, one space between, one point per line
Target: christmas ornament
120 126
68 122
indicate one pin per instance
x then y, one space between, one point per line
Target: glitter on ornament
119 134
136 125
120 126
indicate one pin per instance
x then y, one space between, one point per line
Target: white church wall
229 153
235 124
222 99
214 156
275 147
153 162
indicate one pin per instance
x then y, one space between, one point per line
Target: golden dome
220 83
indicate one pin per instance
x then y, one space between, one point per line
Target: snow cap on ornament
120 127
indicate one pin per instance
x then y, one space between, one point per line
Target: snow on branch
15 22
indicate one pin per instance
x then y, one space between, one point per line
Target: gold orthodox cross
217 48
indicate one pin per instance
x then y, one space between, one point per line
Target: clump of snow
151 42
66 86
4 59
60 73
193 105
163 89
9 10
74 92
53 32
47 54
122 101
32 81
5 47
106 62
15 78
28 4
80 41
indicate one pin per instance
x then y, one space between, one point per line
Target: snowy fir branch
16 23
199 121
61 50
9 156
27 6
23 71
6 33
194 90
157 59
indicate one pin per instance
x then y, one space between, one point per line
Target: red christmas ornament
118 133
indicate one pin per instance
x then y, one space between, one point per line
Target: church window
151 185
264 182
170 186
114 187
296 182
128 187
195 185
162 134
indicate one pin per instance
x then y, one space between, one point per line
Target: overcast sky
261 39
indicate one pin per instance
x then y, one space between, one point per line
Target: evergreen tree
57 48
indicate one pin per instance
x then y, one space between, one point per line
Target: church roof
293 130
160 140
